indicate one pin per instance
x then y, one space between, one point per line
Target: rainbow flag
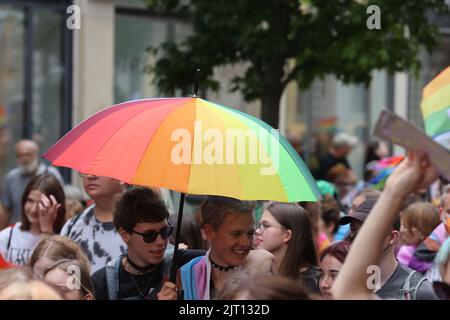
382 169
326 124
436 108
2 115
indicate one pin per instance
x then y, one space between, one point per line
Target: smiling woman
229 227
43 213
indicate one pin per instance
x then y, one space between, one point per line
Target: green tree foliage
283 40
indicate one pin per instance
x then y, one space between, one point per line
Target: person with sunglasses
141 219
93 229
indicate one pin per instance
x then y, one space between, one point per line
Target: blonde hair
421 215
10 276
56 248
83 278
29 290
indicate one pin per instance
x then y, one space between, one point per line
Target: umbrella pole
173 269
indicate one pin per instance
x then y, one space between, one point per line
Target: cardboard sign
394 129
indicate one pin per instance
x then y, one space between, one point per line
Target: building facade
52 76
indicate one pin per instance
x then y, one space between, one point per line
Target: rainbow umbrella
188 145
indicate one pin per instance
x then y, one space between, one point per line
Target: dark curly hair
139 204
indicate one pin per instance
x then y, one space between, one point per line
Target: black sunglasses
151 236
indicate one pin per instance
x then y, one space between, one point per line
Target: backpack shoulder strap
112 278
406 288
74 221
416 288
9 238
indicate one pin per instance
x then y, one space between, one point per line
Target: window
35 76
134 33
11 83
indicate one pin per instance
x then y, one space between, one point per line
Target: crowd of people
356 242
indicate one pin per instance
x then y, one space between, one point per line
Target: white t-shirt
21 246
99 240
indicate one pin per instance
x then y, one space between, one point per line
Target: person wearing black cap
394 278
357 216
371 256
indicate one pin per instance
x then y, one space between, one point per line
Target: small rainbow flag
2 115
436 108
382 169
326 124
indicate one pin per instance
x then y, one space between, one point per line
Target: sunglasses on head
151 236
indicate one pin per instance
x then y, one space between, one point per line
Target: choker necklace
221 268
141 270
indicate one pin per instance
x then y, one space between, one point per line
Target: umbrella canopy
188 145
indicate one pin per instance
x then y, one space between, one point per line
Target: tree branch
291 76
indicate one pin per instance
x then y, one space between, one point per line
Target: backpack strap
112 278
9 239
406 288
74 220
416 288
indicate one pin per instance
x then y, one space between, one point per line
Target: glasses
151 236
263 226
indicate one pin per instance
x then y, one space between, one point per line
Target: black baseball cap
360 213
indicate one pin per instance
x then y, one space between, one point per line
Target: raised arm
413 173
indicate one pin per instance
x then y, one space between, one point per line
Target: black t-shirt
327 162
149 284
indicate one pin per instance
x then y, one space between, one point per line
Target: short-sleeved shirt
392 288
15 183
99 240
21 245
149 284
